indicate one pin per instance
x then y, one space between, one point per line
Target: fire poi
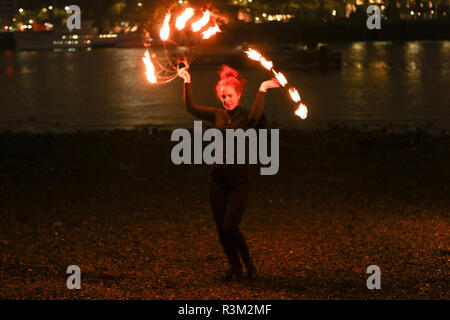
302 110
163 69
180 31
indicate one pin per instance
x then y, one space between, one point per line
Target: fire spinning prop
161 67
302 110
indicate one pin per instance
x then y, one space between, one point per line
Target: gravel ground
140 227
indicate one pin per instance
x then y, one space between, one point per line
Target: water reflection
381 82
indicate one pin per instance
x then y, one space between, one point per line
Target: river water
379 84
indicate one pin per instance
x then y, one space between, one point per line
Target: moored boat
51 40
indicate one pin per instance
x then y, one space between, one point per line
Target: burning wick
165 30
183 18
253 54
294 95
210 32
281 78
149 68
196 26
302 111
267 64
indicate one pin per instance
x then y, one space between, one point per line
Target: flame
302 111
165 30
266 64
281 78
294 95
183 18
210 32
253 54
197 25
149 68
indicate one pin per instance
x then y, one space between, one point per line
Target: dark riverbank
140 227
310 32
340 31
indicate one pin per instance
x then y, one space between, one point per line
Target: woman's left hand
269 84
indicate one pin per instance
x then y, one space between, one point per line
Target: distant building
7 9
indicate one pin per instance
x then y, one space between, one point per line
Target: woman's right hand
184 74
269 84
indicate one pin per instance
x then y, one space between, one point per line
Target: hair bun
230 77
228 72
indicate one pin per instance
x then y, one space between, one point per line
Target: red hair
230 77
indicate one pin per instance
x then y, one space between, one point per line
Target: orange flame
165 30
210 32
149 68
294 95
266 64
253 54
302 111
197 25
183 18
281 78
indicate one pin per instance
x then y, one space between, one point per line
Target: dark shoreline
338 31
139 227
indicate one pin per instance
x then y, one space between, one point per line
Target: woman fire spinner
229 185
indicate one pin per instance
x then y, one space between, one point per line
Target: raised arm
205 113
258 106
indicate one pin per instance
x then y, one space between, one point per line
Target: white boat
51 40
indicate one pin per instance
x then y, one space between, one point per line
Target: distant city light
67 8
333 12
30 21
411 13
50 7
20 10
139 4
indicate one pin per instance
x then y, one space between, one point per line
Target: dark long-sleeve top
222 118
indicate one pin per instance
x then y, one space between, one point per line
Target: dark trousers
229 190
